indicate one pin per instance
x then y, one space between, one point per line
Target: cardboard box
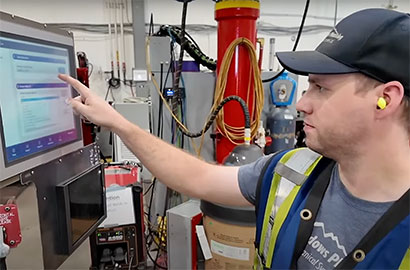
232 246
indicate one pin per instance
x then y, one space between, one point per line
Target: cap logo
333 35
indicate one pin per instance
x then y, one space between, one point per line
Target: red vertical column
235 19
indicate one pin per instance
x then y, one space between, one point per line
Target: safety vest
289 192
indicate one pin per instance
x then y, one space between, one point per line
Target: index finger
81 88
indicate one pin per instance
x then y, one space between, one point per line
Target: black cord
150 199
174 101
154 261
151 25
156 258
301 25
106 93
160 132
160 102
148 189
149 243
296 42
215 113
132 89
161 224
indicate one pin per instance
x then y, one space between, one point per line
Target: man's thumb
77 105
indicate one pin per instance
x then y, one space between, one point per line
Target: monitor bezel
26 30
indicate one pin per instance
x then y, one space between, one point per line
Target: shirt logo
331 236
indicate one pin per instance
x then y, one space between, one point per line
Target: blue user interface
34 113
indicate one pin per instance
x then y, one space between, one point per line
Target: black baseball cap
375 42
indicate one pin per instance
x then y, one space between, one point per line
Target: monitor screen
36 123
81 204
86 203
33 101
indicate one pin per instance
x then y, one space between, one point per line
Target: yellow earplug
381 103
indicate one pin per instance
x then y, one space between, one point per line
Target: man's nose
303 105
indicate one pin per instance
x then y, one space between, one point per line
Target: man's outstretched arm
174 167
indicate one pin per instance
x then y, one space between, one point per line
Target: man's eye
320 88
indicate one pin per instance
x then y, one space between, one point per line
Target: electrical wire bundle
218 104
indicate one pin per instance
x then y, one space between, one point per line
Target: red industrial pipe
235 19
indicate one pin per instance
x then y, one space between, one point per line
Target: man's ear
391 94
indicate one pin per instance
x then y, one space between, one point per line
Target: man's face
338 113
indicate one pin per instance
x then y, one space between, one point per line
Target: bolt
44 198
45 25
32 172
60 160
13 16
12 242
7 208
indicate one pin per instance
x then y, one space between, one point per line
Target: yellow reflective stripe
279 219
309 171
405 263
271 199
268 210
237 4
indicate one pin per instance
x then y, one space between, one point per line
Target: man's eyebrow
315 80
312 80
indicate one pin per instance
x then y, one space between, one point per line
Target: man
349 206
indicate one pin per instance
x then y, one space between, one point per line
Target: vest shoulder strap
298 167
292 169
270 163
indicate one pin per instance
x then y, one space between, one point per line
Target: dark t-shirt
341 222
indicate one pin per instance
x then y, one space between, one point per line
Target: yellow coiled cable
235 134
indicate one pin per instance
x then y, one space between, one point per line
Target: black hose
296 41
191 47
215 113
